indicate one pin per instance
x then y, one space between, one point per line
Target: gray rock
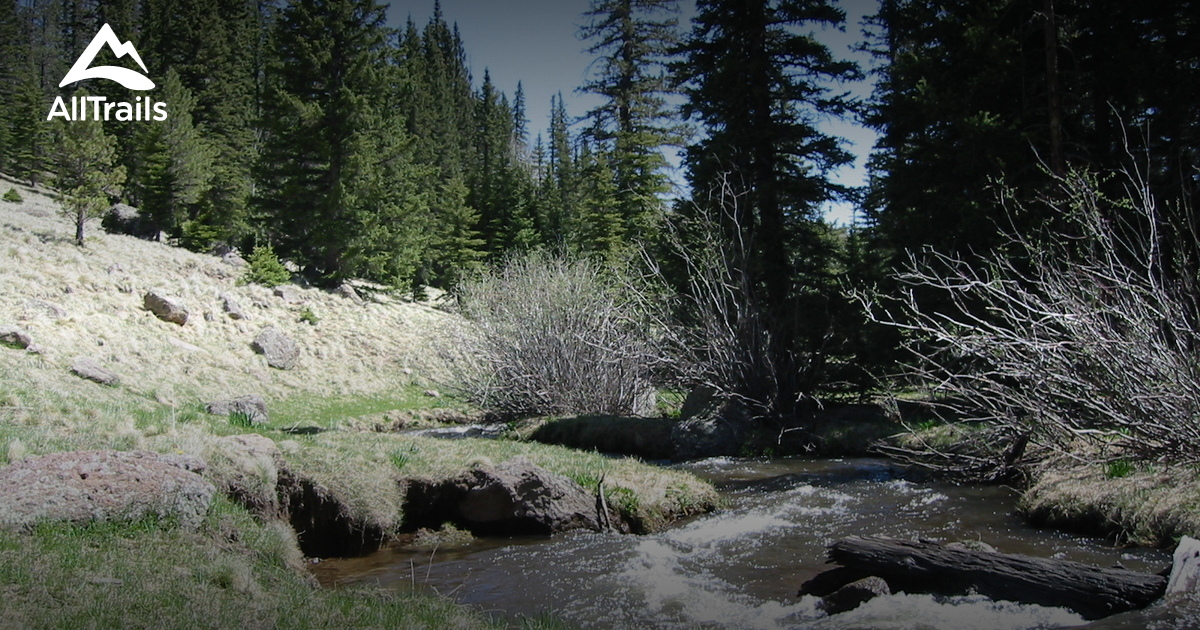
86 367
85 486
696 401
349 293
720 428
233 260
14 337
232 308
288 293
279 349
854 594
519 497
41 309
166 308
1185 567
251 406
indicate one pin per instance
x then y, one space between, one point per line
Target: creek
740 567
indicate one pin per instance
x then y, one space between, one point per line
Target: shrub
554 335
1089 338
13 196
265 268
307 316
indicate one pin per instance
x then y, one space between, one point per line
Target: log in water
909 566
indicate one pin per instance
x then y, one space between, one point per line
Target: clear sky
536 42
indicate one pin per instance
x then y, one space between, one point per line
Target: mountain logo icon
131 79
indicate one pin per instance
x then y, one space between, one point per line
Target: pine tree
634 124
757 80
337 177
86 171
174 169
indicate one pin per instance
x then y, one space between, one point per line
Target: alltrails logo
101 109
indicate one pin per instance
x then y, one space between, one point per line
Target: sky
536 42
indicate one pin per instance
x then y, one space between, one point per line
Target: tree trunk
80 219
1093 592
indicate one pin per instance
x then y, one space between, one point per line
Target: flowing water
740 567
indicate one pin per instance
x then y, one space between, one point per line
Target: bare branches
1092 337
557 336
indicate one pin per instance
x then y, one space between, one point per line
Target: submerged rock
84 486
852 595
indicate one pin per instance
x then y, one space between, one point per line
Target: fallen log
1092 592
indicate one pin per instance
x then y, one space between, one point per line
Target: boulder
720 428
697 399
85 486
14 337
164 307
1185 567
279 349
852 595
232 308
288 293
86 367
233 260
251 406
349 293
513 498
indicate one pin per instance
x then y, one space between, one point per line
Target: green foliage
307 316
13 196
263 267
1118 469
86 172
175 168
241 419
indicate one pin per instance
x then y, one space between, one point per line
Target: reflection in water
741 567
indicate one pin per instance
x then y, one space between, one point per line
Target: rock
281 352
86 367
289 294
697 399
852 595
1185 567
433 393
513 498
233 260
183 345
232 308
719 429
39 309
85 486
247 468
349 293
251 406
166 308
14 337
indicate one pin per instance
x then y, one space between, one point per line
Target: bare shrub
1089 338
554 335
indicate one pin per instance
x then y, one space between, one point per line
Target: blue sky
536 42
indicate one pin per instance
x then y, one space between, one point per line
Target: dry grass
1149 504
353 350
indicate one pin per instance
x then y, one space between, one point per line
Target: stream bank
740 567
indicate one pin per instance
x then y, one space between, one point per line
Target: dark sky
536 42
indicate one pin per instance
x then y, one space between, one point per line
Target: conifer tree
336 172
174 172
633 39
86 171
757 80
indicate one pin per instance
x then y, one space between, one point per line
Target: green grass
327 412
235 572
